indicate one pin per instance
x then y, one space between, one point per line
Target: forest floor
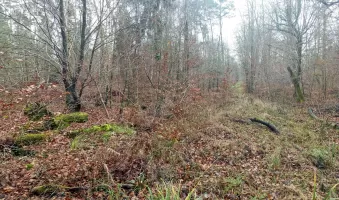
206 150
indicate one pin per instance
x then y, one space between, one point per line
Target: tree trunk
186 47
72 99
324 54
297 85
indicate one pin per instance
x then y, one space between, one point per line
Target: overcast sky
231 24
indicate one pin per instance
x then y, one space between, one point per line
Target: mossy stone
103 128
78 117
64 120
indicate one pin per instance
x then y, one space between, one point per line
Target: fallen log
249 121
269 125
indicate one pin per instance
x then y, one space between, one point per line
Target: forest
161 100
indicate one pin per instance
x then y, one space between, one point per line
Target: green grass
275 159
168 191
333 193
321 157
233 184
29 166
77 142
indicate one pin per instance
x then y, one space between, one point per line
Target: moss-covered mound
29 139
58 122
64 120
104 128
36 111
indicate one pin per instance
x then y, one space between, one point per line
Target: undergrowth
209 150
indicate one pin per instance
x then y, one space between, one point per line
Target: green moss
76 142
62 125
58 122
50 124
103 128
36 111
63 121
78 117
121 129
106 136
29 139
93 129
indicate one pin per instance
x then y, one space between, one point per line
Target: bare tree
248 45
293 19
68 45
328 3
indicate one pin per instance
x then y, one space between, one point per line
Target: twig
109 175
102 100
